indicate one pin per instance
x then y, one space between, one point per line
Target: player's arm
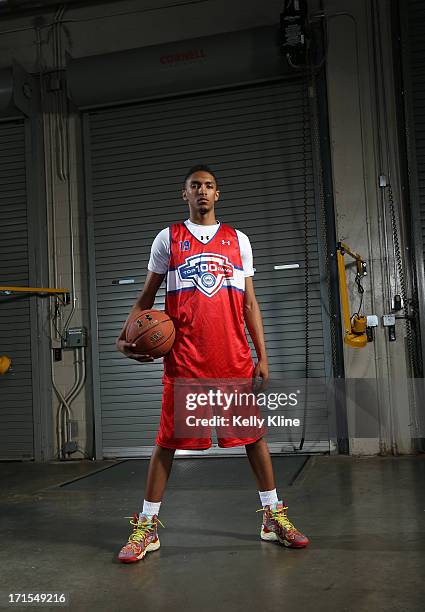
145 301
254 324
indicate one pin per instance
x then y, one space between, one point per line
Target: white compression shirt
160 251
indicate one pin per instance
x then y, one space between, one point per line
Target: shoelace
280 517
141 529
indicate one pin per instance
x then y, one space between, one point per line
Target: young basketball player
201 351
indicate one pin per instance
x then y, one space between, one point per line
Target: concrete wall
357 140
361 134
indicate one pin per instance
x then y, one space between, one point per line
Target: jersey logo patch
206 271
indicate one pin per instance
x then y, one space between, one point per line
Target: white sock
150 508
268 497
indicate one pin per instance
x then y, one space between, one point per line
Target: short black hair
199 168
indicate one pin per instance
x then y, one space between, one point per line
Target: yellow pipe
343 291
33 290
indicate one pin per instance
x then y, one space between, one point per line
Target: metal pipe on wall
57 132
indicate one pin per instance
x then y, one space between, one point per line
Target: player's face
201 192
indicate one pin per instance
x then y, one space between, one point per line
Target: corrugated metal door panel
417 57
416 14
16 410
138 156
413 43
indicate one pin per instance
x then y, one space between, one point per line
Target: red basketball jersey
204 298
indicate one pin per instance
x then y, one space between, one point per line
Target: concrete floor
365 518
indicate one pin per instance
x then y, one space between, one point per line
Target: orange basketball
152 331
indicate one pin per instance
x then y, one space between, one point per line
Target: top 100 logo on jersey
206 271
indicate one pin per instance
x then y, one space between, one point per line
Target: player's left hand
261 375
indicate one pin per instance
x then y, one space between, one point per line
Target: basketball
152 331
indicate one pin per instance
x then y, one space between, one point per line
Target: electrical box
75 337
388 319
372 321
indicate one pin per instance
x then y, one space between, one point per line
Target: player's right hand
127 349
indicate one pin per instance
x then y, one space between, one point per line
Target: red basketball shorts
167 439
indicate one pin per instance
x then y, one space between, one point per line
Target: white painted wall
354 131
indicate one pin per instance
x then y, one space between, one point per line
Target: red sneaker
277 527
143 539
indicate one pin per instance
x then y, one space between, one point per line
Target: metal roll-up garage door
413 13
136 157
16 405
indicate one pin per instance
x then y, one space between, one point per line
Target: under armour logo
225 242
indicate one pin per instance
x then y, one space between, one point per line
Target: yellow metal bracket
355 327
37 290
5 361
